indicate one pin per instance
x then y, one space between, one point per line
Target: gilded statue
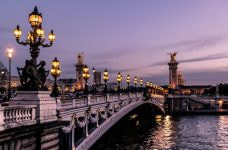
173 56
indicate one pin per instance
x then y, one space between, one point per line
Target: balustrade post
87 99
1 118
33 113
97 119
72 138
74 102
59 103
106 98
87 123
119 96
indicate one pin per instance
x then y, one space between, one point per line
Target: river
146 131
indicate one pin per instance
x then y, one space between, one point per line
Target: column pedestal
46 110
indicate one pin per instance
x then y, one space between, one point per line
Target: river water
145 131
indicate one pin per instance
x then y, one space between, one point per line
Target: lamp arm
47 45
22 42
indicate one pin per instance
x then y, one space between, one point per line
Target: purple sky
131 36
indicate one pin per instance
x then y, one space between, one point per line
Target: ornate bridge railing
91 117
14 116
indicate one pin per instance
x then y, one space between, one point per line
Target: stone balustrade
14 116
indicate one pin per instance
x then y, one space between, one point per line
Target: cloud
195 44
205 77
197 59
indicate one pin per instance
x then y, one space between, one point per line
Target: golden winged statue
173 56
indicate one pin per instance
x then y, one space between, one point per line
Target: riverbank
202 112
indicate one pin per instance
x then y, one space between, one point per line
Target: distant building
3 75
80 83
194 89
68 85
180 79
173 66
97 78
15 82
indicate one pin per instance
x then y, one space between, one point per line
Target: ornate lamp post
128 80
105 78
119 80
94 81
35 40
86 76
141 82
55 72
147 84
9 55
135 82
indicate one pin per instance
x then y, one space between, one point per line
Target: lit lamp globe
86 77
51 36
35 18
136 81
141 82
147 83
128 80
105 78
17 32
119 79
55 72
40 32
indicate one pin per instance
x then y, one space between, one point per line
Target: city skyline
133 39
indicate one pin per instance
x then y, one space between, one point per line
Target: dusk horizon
131 37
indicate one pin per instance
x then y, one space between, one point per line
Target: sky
130 36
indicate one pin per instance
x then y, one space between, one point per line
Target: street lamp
119 80
128 80
86 76
35 39
141 82
94 80
55 72
135 82
9 55
147 84
105 78
151 88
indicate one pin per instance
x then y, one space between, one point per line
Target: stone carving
31 78
42 72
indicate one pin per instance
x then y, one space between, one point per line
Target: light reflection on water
189 132
166 132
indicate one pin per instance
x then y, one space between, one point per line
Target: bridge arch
112 120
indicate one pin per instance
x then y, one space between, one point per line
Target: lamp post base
46 109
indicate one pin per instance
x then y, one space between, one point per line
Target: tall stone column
173 66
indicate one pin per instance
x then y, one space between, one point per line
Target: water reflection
161 136
166 132
189 132
222 142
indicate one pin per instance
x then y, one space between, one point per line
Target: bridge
194 103
85 119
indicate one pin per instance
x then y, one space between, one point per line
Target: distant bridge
193 103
